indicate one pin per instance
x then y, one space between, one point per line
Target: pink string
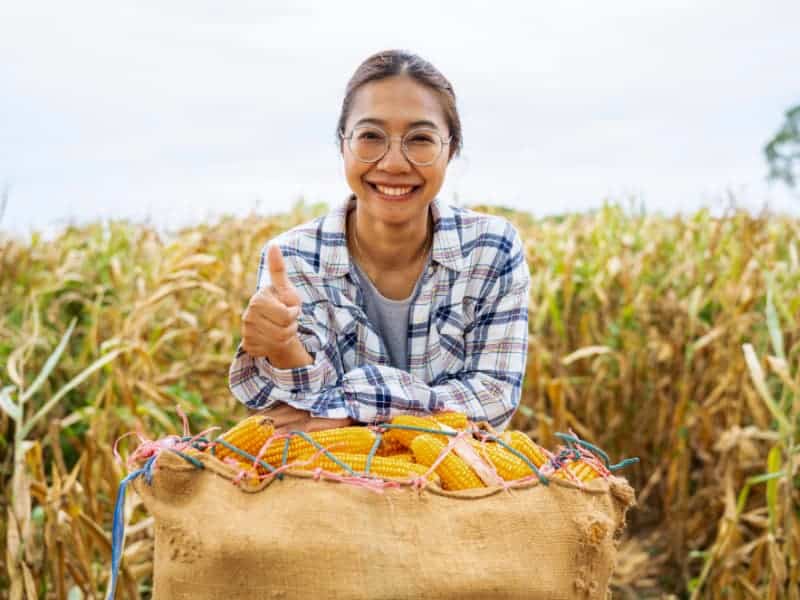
446 451
148 448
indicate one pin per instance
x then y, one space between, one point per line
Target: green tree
783 150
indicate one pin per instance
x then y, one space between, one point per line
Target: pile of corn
402 453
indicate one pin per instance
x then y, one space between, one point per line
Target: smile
394 192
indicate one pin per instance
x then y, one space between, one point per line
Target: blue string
372 451
623 463
118 528
246 455
544 480
572 440
285 456
319 446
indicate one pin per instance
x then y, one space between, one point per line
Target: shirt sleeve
487 389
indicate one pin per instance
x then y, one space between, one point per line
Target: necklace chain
360 253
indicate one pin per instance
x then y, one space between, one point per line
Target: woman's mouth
392 192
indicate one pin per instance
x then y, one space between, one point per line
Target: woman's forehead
397 103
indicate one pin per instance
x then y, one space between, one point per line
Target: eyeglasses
420 146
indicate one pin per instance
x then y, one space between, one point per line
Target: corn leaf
49 365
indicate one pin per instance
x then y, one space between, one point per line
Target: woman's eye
421 139
370 137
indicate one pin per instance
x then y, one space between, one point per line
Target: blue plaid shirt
467 334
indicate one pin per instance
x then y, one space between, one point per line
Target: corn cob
390 447
355 440
454 472
406 456
525 445
351 439
507 465
391 468
452 419
579 469
404 437
248 435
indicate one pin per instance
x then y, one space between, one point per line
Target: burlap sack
300 538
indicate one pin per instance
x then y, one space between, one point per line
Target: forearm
374 393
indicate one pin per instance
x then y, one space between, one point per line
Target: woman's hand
287 418
269 323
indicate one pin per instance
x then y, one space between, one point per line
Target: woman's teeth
393 191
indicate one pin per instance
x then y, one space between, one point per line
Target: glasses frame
403 149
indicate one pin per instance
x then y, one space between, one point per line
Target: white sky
180 111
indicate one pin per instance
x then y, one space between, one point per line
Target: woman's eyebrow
373 121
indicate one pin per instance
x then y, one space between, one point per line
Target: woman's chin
395 212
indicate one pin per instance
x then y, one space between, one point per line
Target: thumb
279 279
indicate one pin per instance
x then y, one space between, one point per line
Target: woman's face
396 105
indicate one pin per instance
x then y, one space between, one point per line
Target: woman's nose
394 160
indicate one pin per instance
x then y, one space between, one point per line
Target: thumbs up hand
281 285
269 323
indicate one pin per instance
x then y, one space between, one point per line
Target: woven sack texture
302 538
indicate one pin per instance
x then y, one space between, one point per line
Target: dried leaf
585 353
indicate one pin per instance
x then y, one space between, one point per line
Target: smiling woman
394 303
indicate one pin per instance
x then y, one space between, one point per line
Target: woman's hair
390 63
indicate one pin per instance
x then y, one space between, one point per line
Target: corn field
676 340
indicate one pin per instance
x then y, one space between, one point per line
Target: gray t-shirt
390 317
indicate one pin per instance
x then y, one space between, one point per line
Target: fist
269 323
286 418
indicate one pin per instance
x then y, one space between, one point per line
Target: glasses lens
368 143
422 146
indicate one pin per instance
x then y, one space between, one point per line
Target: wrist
292 356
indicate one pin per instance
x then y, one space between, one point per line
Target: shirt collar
335 258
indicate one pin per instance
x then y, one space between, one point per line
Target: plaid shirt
467 333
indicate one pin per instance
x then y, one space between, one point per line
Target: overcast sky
181 111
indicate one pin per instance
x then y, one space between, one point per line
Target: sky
176 112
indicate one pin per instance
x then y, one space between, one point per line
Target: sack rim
170 461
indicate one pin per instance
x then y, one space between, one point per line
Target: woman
394 302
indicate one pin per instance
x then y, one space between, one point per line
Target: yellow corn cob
350 439
381 466
525 445
390 447
452 419
356 440
454 472
406 436
248 435
406 456
583 471
507 465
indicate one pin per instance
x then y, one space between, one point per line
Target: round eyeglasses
420 146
